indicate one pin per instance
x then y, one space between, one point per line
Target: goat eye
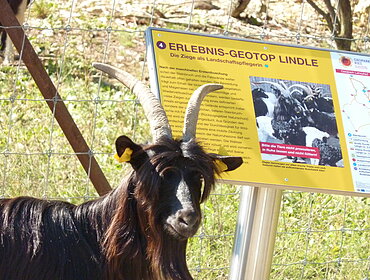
169 175
195 175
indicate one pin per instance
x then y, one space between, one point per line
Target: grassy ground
322 237
319 236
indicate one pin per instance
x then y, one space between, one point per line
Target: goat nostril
187 218
182 221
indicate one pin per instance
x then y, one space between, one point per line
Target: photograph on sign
296 122
298 116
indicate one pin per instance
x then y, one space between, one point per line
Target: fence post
52 98
255 233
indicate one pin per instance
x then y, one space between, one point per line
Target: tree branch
340 25
326 16
331 9
240 8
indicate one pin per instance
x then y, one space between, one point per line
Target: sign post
243 232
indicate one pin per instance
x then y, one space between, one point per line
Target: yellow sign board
299 117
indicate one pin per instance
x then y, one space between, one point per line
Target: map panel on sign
352 76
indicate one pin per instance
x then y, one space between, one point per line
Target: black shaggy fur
289 120
329 154
260 107
325 122
120 236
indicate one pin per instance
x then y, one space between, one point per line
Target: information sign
299 117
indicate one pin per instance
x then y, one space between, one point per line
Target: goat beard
166 255
136 246
168 260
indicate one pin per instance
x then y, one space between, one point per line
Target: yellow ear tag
221 166
126 156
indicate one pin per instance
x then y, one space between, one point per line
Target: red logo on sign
346 61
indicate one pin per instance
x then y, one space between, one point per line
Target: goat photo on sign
296 122
137 231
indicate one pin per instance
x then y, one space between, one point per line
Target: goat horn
192 110
153 109
307 89
283 91
283 84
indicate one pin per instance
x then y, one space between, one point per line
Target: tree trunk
344 32
242 5
341 25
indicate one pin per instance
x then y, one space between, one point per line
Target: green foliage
322 237
126 39
209 253
43 8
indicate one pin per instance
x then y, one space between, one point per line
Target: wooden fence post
52 98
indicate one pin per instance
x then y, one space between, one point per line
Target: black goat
19 9
322 104
329 154
260 107
139 230
289 117
290 131
324 121
288 121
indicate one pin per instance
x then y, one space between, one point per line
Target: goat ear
226 163
128 151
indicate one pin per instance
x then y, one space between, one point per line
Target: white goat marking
270 103
311 134
265 130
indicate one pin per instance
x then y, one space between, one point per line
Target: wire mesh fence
319 236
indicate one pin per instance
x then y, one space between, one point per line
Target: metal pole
243 231
52 98
255 234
